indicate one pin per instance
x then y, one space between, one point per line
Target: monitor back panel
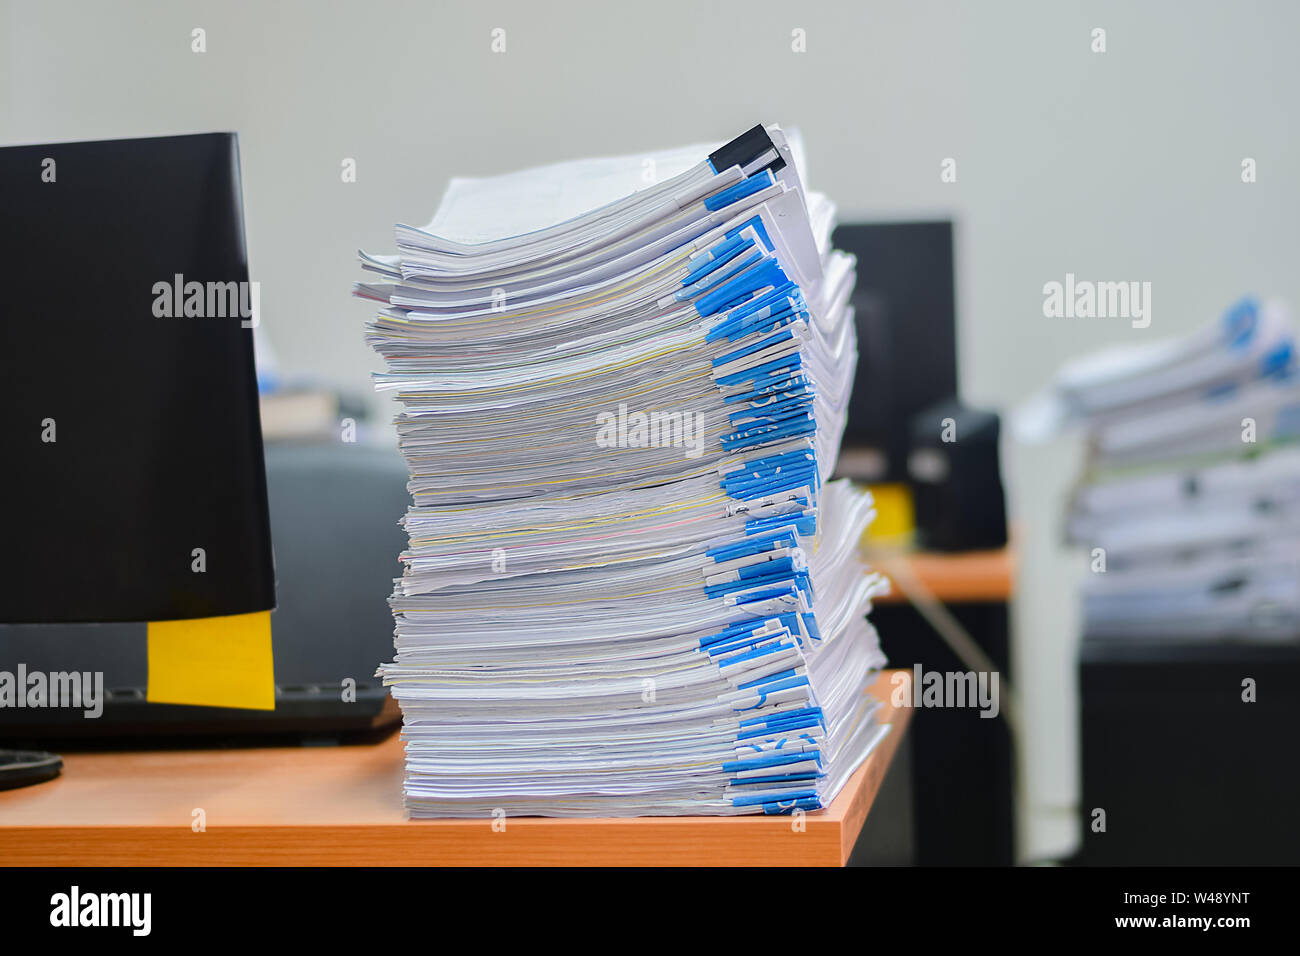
133 477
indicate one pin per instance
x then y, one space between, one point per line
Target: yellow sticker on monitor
213 662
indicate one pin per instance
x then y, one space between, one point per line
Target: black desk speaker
952 466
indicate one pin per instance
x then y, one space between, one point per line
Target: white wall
1122 165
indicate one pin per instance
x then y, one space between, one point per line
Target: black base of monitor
306 713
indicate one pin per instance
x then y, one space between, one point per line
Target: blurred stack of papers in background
630 587
1192 489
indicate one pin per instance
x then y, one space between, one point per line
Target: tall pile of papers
1190 504
630 587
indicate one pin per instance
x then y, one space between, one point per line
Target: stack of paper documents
1191 500
630 588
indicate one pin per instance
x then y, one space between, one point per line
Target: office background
1122 165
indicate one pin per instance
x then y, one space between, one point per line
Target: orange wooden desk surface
341 806
964 576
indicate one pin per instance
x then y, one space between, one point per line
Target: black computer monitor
905 312
133 478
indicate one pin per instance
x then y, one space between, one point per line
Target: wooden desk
962 577
341 806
